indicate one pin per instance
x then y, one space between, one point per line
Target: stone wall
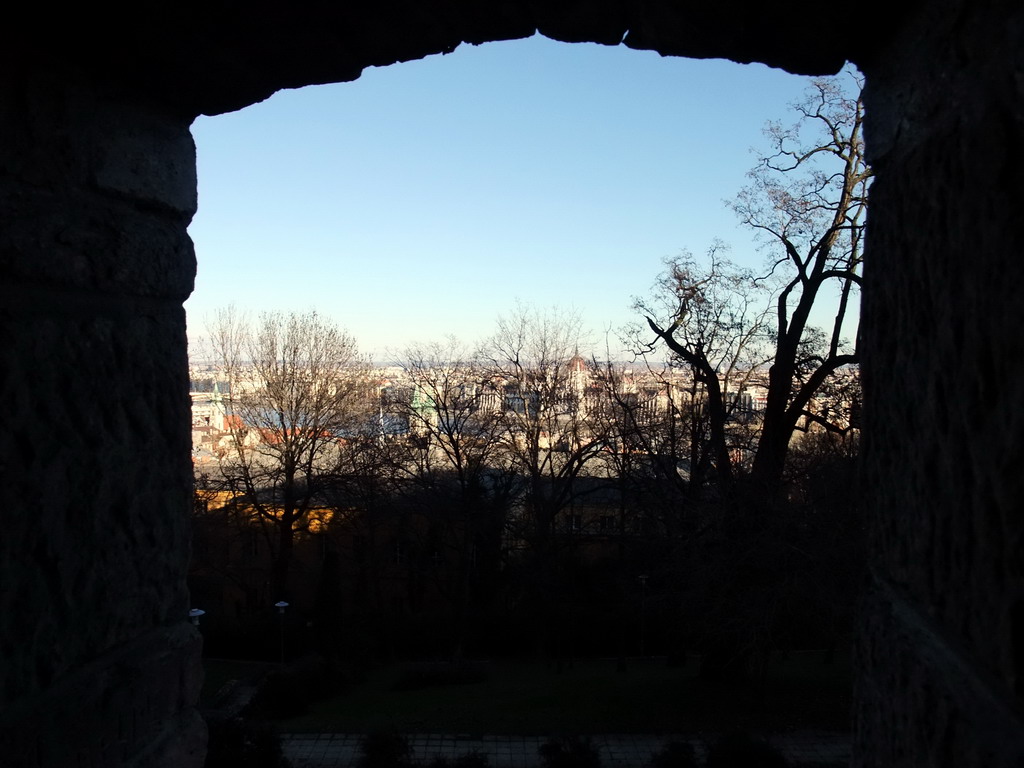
941 654
98 665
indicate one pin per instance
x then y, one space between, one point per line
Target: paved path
338 750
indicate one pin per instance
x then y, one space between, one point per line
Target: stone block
96 195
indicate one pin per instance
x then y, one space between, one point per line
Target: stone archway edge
97 187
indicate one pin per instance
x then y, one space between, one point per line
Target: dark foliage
675 754
384 750
289 692
241 744
765 578
569 752
740 750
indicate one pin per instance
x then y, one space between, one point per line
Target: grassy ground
802 692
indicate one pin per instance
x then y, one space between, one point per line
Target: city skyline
425 199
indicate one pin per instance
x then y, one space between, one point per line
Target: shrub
384 750
739 750
240 744
280 695
288 692
571 752
675 754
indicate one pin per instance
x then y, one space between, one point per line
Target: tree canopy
807 202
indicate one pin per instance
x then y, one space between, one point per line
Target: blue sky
426 198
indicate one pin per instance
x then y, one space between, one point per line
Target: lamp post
643 613
380 413
281 605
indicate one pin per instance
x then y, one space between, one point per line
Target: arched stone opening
97 183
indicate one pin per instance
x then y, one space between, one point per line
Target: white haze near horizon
426 198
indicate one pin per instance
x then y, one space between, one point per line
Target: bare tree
450 409
296 390
547 441
547 436
655 419
451 455
808 201
714 318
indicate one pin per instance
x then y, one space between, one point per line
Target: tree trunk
770 460
776 431
281 567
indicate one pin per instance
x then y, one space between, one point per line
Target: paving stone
634 751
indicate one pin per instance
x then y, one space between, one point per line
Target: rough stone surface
97 195
98 668
215 57
924 702
102 527
941 648
115 709
97 660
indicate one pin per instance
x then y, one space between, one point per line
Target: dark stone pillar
98 663
941 649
